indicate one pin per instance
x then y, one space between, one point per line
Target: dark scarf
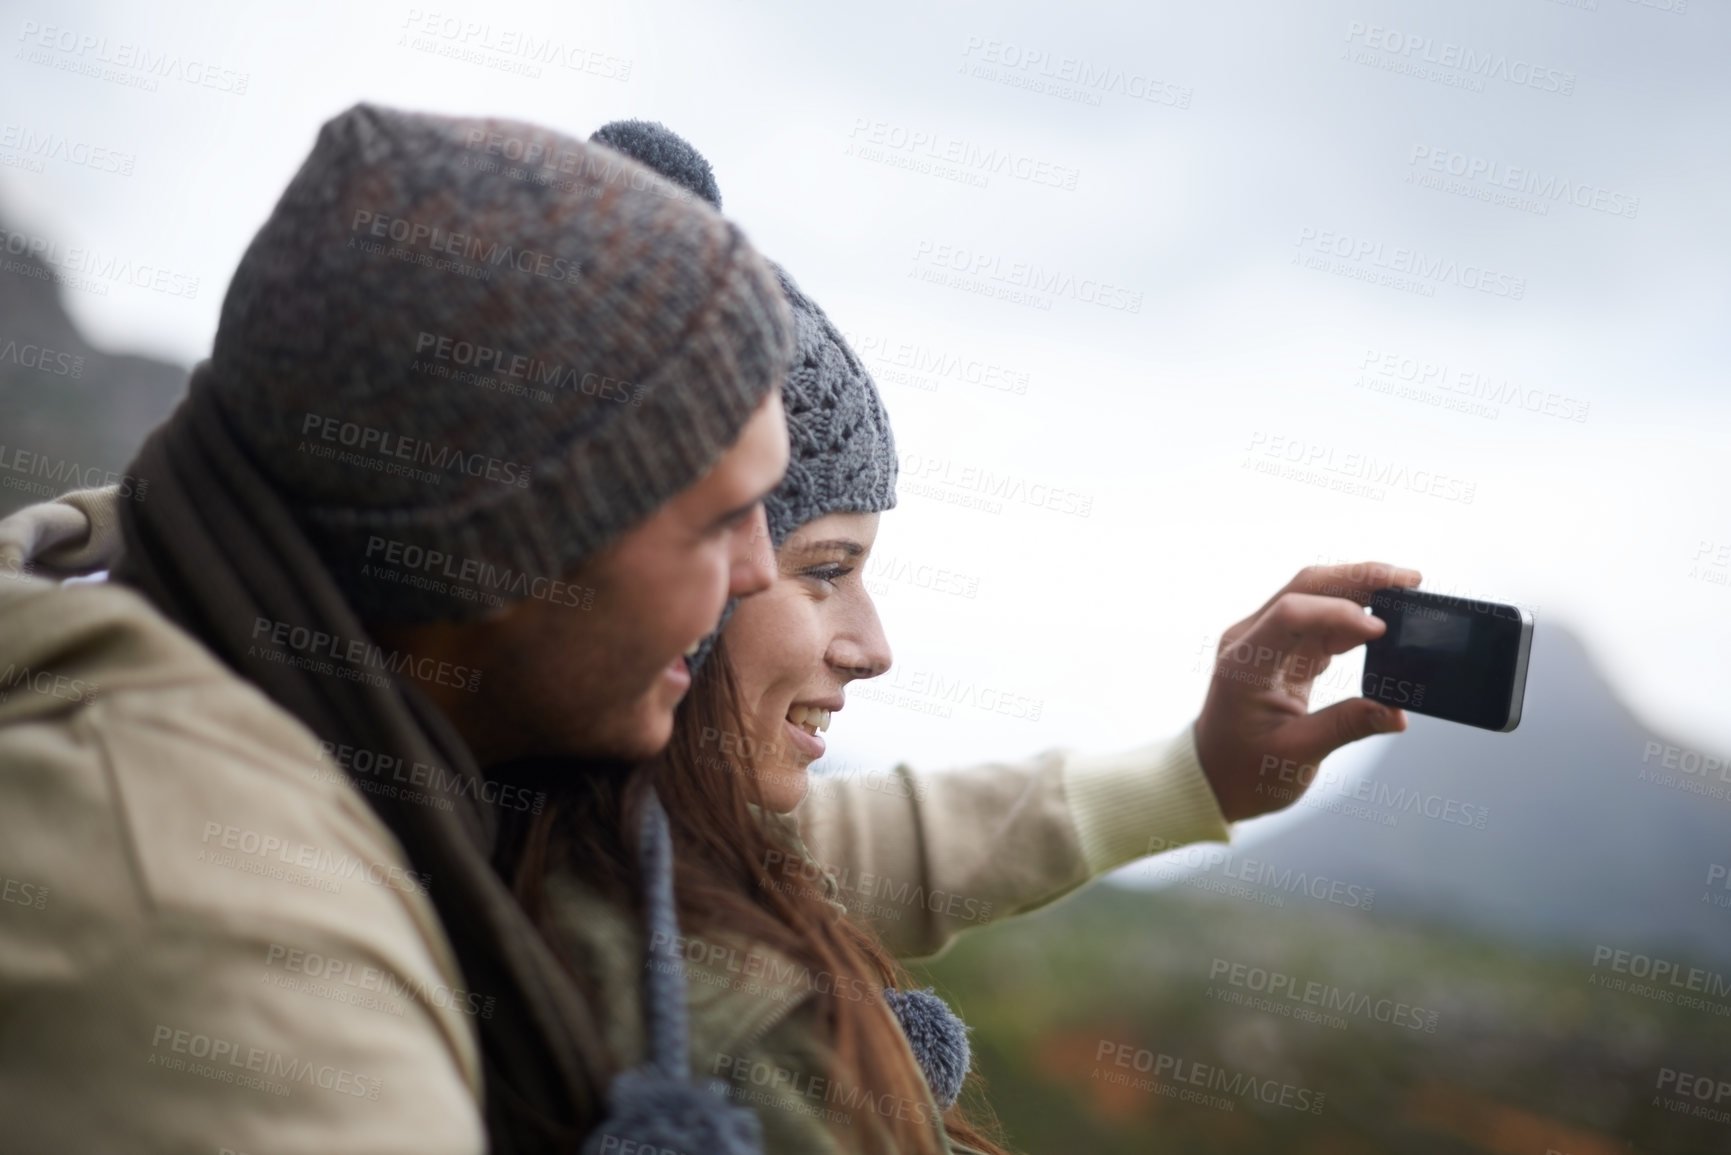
215 549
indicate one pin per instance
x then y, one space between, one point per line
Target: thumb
1320 733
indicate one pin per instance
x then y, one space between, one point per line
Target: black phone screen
1452 658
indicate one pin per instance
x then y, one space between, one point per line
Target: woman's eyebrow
846 545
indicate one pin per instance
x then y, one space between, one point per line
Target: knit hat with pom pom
843 456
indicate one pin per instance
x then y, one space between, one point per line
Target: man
475 461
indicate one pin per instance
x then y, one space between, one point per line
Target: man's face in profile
603 680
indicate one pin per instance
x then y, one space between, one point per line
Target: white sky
1236 350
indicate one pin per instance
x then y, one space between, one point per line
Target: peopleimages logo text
1523 179
91 52
359 653
56 146
1026 276
382 443
1090 78
466 246
936 145
1459 58
1413 262
523 367
76 262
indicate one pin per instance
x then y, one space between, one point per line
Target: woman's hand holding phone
1256 726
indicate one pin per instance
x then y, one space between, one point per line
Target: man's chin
649 737
634 750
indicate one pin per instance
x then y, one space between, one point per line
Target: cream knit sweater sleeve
925 856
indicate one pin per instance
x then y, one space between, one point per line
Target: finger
1289 646
1306 625
1303 673
1318 734
1353 580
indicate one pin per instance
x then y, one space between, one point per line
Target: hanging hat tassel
656 1106
938 1037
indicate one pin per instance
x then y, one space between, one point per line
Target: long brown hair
722 853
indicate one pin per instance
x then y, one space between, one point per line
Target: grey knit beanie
472 352
842 454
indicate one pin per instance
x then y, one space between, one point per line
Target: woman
784 986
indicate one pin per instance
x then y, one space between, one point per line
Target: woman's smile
805 723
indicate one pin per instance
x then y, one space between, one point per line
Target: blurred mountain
1434 981
69 412
1576 846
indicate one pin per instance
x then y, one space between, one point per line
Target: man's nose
753 561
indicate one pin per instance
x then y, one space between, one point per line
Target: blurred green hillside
1473 1001
1529 1054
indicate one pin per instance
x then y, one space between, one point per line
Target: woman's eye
830 573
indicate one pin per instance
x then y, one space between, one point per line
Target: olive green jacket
920 857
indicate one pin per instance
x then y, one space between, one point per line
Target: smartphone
1453 658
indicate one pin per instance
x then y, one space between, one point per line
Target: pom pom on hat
842 452
654 144
938 1037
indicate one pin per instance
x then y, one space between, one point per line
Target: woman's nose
862 649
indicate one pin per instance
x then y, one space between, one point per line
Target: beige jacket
208 940
924 856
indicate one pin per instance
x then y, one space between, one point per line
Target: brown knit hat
470 353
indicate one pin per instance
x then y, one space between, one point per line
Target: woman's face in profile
796 646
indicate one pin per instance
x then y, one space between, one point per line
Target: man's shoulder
186 877
144 778
90 630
